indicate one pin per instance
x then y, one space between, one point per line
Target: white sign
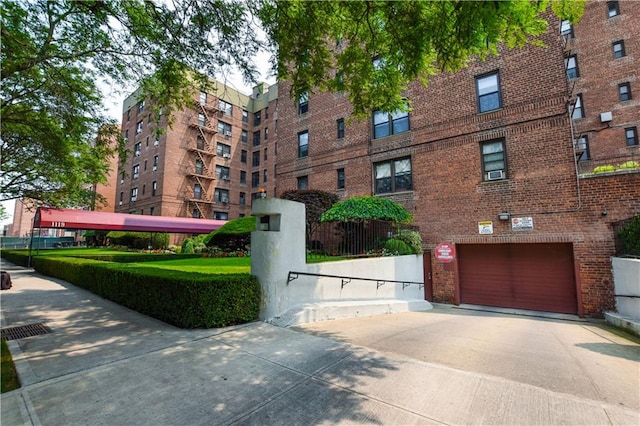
485 228
522 224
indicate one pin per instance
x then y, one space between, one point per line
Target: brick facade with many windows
496 137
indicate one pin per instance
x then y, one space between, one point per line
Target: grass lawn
87 251
9 377
204 265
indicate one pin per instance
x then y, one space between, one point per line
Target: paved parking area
588 359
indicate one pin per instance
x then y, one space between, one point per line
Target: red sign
445 252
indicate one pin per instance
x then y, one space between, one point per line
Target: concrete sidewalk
103 364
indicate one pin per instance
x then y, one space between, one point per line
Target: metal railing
293 275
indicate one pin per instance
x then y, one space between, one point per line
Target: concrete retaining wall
626 277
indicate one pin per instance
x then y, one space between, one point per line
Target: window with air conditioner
139 127
221 195
136 171
222 172
223 150
493 160
224 128
225 107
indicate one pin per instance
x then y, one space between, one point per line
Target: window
340 178
224 128
221 195
145 165
200 143
488 90
137 149
265 175
244 136
129 114
493 160
203 98
303 144
223 150
140 107
202 120
303 182
385 124
566 29
256 138
243 177
266 113
126 135
340 126
631 134
139 127
134 194
222 173
266 133
196 214
155 162
221 215
225 107
243 156
393 176
151 209
582 148
266 151
144 189
256 118
571 64
255 158
199 167
612 9
303 103
578 110
618 49
121 197
136 171
154 187
245 116
255 179
624 90
197 191
243 199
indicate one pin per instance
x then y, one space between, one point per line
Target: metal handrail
346 280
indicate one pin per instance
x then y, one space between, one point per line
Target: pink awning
83 219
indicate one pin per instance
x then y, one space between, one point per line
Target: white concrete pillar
277 247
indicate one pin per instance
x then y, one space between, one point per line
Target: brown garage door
524 276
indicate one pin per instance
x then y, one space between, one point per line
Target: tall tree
54 51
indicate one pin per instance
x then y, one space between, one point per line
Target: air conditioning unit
495 175
227 133
156 143
135 176
224 200
120 203
155 168
226 155
225 178
137 153
134 198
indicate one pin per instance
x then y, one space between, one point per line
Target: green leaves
366 208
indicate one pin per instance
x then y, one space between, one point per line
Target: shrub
17 257
630 237
187 247
628 165
138 240
233 236
366 208
397 247
184 299
412 238
604 169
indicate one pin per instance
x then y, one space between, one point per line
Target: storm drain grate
20 332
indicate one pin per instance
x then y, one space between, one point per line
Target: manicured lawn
87 251
9 378
205 265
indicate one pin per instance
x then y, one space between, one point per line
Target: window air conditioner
227 133
225 178
134 198
137 153
156 143
120 203
495 175
226 155
224 200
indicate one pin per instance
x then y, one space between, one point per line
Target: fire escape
571 74
202 147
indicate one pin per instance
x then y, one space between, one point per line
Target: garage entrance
537 277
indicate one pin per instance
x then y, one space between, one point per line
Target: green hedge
184 299
17 257
134 258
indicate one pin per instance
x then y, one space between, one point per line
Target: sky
114 96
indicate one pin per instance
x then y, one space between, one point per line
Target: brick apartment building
497 160
213 159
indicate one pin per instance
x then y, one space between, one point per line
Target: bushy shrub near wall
184 299
630 237
397 247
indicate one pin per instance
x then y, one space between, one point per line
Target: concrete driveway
588 359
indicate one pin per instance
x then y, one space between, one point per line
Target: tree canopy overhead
55 52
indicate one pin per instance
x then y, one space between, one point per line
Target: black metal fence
352 239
